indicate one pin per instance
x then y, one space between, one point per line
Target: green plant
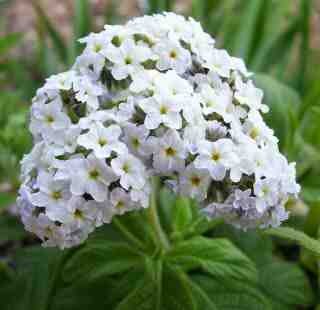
122 266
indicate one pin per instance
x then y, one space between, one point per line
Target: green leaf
285 284
217 257
9 41
257 246
227 295
35 281
243 40
142 297
167 200
6 199
202 299
158 6
54 35
182 214
297 236
276 48
11 229
100 259
176 291
82 25
98 294
306 7
283 102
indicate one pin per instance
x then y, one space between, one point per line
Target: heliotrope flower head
151 97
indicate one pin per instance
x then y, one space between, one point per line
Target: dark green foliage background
207 265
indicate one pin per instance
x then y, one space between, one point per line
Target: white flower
171 84
216 157
153 97
268 192
126 110
90 64
200 42
136 139
83 214
144 80
172 56
168 153
216 100
192 135
90 175
257 130
88 91
95 42
176 25
238 64
53 195
215 130
49 117
102 140
65 141
120 201
162 109
127 58
130 170
51 234
141 196
95 117
61 81
192 112
194 183
218 61
251 96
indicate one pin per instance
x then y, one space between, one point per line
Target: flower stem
154 219
130 237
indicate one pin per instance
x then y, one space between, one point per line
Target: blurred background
278 39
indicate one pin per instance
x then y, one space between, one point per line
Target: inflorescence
151 98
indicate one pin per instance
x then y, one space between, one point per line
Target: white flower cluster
152 97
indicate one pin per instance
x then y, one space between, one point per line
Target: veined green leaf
35 280
217 257
257 246
176 290
98 294
227 295
285 284
100 259
182 214
297 236
142 297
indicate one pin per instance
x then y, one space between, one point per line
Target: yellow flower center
170 152
195 181
102 142
215 156
56 195
94 174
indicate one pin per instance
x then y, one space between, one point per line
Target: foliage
109 270
208 265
